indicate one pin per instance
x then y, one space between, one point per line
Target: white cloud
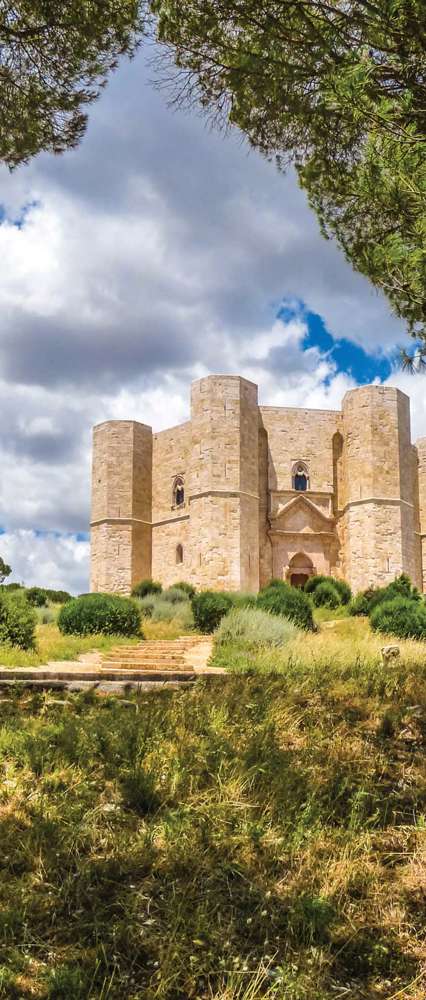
48 560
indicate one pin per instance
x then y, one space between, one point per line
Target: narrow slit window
179 555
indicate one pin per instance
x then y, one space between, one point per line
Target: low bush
326 595
105 614
174 595
209 607
17 620
289 602
146 587
343 588
58 596
242 600
401 617
187 587
154 606
254 627
314 582
37 596
46 615
365 602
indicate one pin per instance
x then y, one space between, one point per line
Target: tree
337 87
5 570
55 56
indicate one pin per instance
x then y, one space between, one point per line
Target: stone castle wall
379 510
363 517
421 454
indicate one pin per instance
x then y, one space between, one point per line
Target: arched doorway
299 570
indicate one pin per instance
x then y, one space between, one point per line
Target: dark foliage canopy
55 56
337 87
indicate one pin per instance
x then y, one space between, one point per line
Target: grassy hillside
257 836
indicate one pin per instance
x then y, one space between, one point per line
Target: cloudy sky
157 252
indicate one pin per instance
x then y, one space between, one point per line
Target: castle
242 493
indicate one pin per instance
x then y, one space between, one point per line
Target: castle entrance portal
299 570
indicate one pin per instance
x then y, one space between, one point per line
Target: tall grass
172 605
253 627
242 840
344 652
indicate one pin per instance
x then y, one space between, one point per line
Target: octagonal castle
242 493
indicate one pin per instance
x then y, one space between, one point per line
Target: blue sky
349 358
157 252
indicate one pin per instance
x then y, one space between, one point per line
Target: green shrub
314 582
402 617
275 582
241 600
106 614
58 596
155 607
17 620
187 587
37 596
46 616
365 602
254 627
209 607
146 587
288 602
174 595
343 588
326 596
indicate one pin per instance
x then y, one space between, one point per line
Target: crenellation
242 492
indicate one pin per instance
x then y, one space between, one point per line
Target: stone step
8 677
159 654
145 665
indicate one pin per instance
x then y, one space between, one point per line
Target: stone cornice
119 520
226 493
302 534
395 501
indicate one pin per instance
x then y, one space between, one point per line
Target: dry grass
239 841
52 645
345 649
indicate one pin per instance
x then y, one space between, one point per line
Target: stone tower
379 508
421 453
121 505
224 483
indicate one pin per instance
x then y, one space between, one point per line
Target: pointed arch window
300 477
178 499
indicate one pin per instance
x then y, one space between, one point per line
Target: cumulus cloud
50 560
155 253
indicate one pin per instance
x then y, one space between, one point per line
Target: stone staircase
159 659
148 665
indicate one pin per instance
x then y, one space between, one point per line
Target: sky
157 252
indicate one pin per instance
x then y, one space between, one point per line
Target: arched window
179 555
178 492
300 477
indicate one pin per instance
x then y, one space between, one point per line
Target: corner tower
421 455
121 519
379 503
224 483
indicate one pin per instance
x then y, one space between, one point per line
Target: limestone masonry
242 493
